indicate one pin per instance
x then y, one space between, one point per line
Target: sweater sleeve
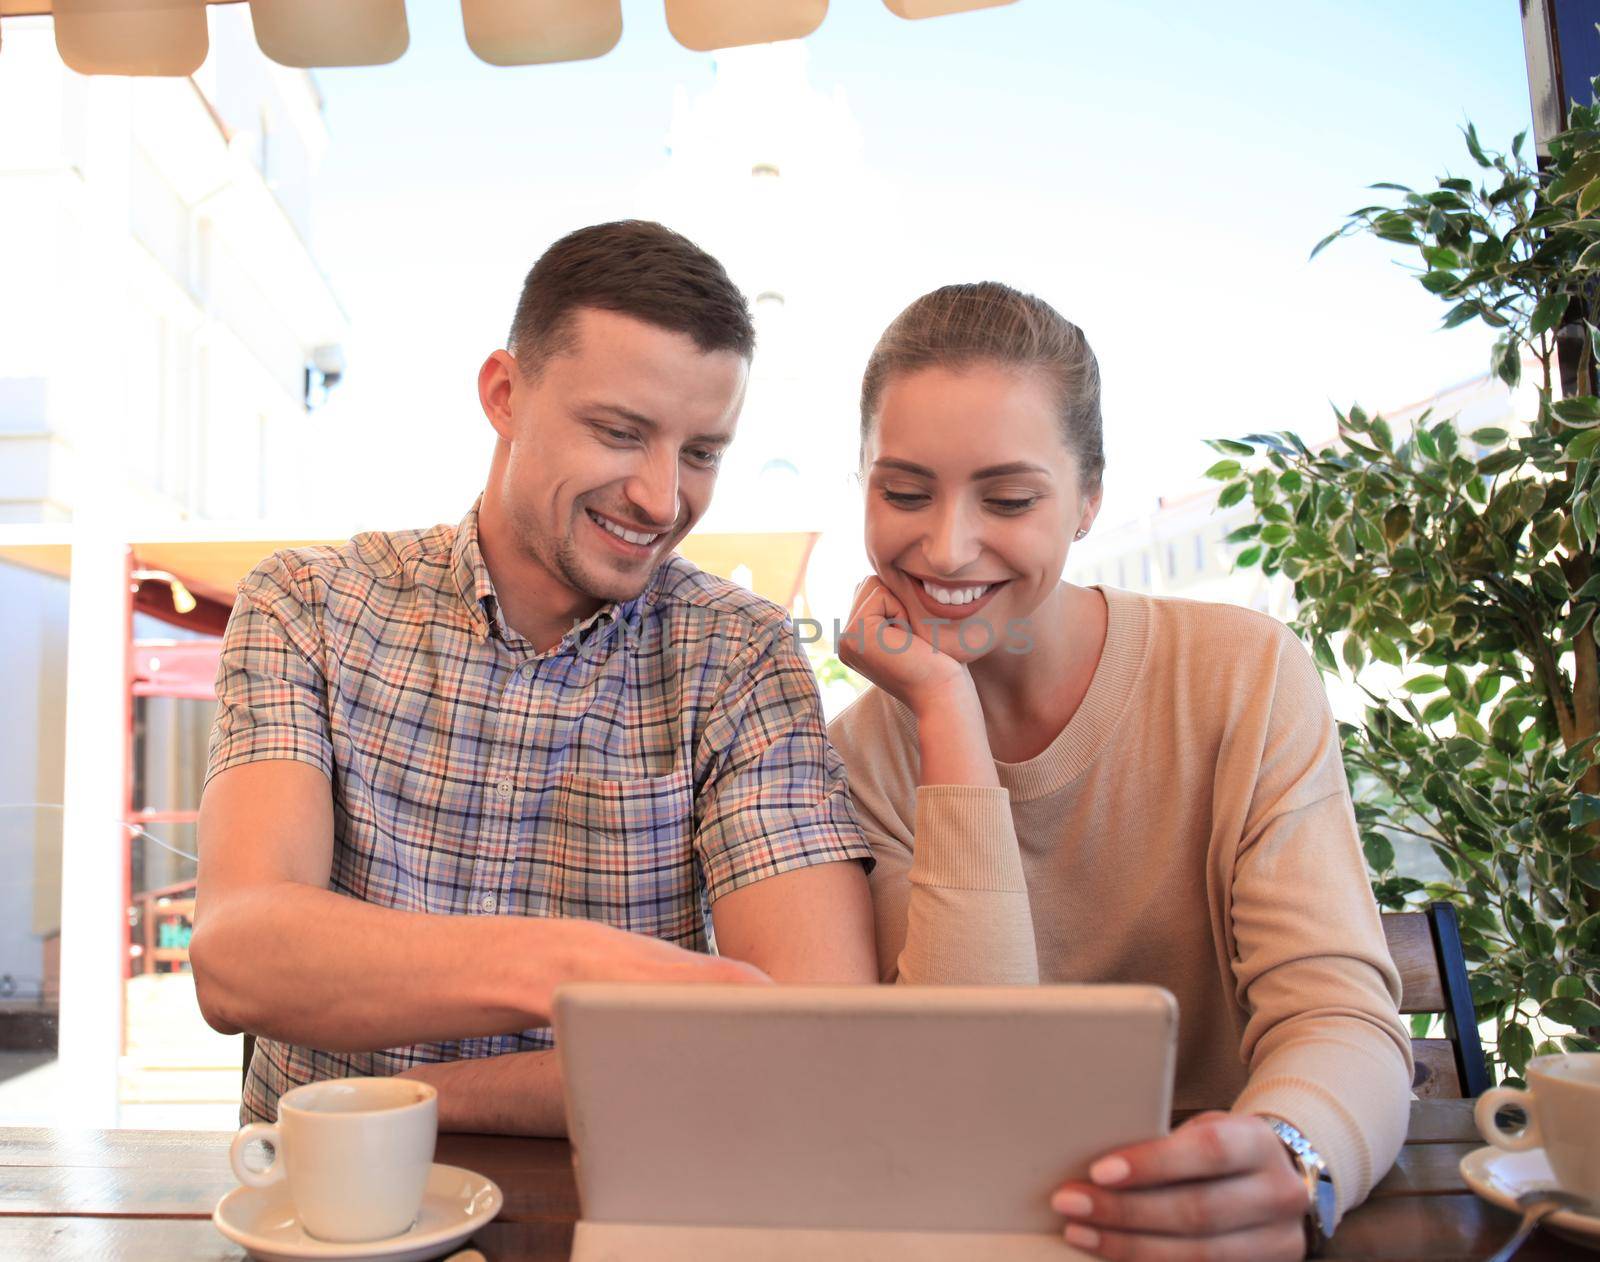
1324 1042
948 891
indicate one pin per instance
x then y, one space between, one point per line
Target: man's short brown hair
635 268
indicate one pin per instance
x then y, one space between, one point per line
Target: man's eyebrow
622 413
991 471
645 422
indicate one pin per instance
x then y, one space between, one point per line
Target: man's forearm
308 966
518 1094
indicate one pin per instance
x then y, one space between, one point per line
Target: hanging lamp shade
132 37
534 32
308 33
939 8
168 37
706 25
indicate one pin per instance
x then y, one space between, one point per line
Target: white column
94 914
93 410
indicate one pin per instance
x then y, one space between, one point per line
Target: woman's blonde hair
987 322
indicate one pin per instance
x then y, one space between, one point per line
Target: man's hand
1221 1187
881 643
599 953
520 1093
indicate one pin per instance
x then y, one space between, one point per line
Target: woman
1069 784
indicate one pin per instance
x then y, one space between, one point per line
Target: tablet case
855 1122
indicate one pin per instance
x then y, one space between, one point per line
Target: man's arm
277 953
808 925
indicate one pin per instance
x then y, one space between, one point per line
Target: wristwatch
1321 1204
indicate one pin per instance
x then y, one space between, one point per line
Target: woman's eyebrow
992 471
1006 470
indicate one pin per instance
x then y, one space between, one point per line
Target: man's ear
498 380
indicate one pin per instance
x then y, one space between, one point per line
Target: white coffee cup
356 1153
1562 1104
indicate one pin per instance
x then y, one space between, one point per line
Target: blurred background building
166 332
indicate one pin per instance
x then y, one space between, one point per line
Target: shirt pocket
620 852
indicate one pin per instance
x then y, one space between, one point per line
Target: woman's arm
949 898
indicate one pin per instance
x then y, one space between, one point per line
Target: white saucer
456 1203
1500 1177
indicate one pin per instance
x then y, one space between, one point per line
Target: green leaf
1497 462
1231 446
1584 810
1516 1046
1424 683
1570 987
1505 360
1578 409
1578 1013
1474 148
1354 656
1232 494
1224 470
1379 852
1587 937
1247 558
1547 315
1437 709
1589 198
1583 446
1589 258
1325 243
1489 436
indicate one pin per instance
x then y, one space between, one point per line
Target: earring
1079 535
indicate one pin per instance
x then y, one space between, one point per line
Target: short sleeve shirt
666 752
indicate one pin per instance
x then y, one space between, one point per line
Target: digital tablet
776 1122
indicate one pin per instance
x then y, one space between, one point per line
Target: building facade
165 332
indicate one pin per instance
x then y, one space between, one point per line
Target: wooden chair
1426 946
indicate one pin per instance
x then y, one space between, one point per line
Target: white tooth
629 535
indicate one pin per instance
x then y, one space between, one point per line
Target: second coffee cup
1562 1104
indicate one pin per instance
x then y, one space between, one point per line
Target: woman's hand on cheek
879 643
1219 1188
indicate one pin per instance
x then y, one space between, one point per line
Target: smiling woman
1069 784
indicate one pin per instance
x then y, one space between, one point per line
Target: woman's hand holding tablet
1220 1186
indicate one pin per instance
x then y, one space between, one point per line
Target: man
453 768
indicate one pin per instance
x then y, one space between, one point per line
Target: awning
210 560
168 37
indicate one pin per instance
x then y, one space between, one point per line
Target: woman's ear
1091 510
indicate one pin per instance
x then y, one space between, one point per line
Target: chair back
1426 946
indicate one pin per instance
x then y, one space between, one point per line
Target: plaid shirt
667 751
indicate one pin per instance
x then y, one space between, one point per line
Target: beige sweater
1190 827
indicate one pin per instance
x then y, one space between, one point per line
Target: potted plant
1466 562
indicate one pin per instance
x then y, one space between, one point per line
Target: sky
1157 170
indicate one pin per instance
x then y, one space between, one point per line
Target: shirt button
504 788
487 902
528 671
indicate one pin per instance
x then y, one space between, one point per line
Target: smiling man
453 768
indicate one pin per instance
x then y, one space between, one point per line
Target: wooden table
114 1195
